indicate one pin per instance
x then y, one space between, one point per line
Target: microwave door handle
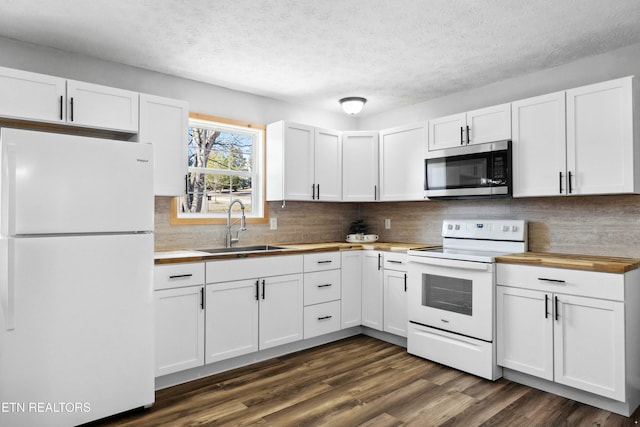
451 263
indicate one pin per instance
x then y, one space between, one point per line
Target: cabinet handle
318 191
186 184
379 261
569 183
325 285
72 108
560 181
468 134
544 279
61 107
405 282
325 262
375 192
257 290
556 307
201 298
546 306
263 288
313 191
180 276
324 317
394 261
461 135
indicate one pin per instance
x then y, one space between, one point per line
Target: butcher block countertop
604 264
193 255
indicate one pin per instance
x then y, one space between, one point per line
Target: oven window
447 293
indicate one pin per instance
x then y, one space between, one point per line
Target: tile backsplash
595 225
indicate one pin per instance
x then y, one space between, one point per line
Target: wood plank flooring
359 381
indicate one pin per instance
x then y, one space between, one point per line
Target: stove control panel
515 230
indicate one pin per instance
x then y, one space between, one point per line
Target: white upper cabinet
360 166
42 98
402 153
303 163
31 96
164 123
101 107
473 127
576 142
539 150
601 151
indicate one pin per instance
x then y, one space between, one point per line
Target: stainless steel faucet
243 223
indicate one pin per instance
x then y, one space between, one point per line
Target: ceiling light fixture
353 104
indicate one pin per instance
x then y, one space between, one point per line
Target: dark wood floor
360 381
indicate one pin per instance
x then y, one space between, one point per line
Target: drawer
395 261
562 280
178 275
321 319
229 270
322 286
321 261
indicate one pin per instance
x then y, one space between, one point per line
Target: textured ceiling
313 52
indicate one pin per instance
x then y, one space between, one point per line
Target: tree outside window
225 163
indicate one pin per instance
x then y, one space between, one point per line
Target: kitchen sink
242 249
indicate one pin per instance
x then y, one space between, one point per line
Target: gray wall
202 98
618 63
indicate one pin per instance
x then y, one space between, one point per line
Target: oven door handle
452 263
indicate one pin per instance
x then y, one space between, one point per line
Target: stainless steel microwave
481 170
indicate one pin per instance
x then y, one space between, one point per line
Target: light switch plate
273 223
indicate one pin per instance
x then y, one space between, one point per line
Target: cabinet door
179 329
328 165
447 132
395 302
298 161
489 124
281 310
525 331
600 154
351 278
102 107
402 152
359 166
31 96
372 290
589 345
164 123
232 319
539 146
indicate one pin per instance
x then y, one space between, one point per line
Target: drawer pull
551 280
325 317
325 262
394 261
180 276
325 285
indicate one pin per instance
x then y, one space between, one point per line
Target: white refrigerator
76 264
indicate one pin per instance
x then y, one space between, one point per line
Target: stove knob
505 228
449 227
514 228
457 226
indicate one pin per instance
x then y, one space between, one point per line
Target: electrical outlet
273 223
387 224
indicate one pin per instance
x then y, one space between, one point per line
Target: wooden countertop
604 264
192 255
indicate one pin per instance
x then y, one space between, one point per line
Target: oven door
455 296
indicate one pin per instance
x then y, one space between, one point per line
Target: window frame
176 220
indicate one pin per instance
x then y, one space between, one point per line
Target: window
226 162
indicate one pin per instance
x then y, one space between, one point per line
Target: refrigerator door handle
8 191
7 283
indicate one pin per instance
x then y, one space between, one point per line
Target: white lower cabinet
372 290
232 319
322 293
281 310
179 325
395 294
351 278
565 326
